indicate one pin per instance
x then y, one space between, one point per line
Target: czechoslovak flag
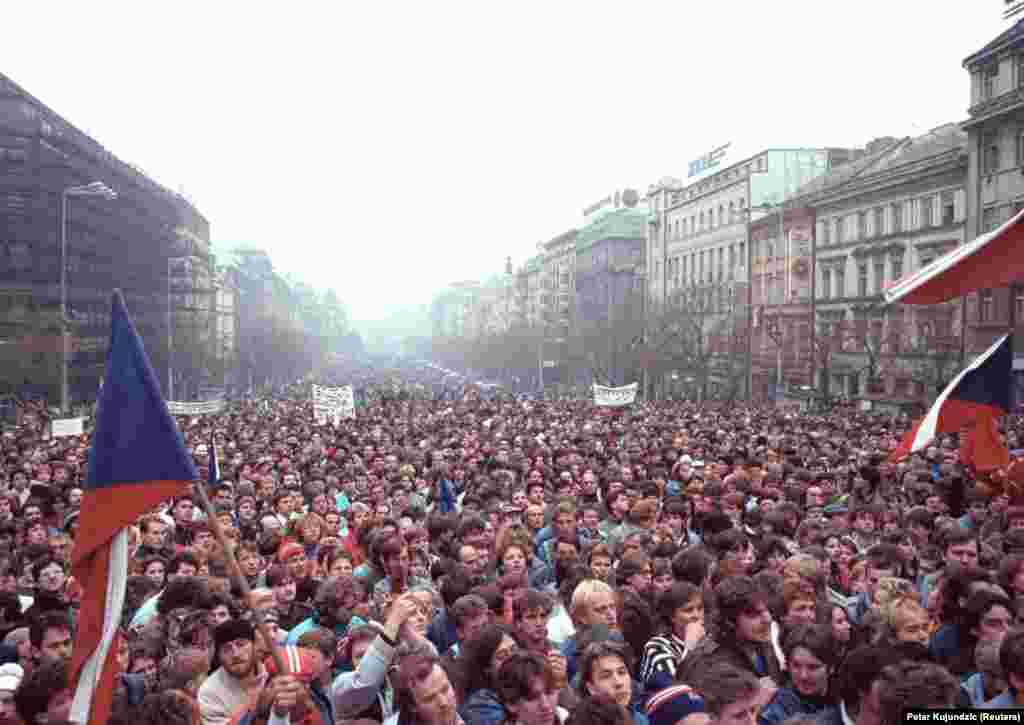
138 459
975 398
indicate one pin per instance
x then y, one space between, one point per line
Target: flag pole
236 575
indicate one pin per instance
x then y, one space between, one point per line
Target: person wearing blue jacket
810 659
477 665
604 670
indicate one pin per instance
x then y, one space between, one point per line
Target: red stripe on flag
906 444
981 447
95 574
107 510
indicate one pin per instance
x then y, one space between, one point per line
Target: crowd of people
477 562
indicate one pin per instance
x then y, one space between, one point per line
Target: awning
994 259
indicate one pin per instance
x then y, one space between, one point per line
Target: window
826 229
862 225
1020 146
879 276
743 254
862 279
826 283
1019 302
897 218
985 305
721 215
1020 71
989 219
840 273
927 212
839 230
989 78
990 152
702 221
897 268
732 212
948 208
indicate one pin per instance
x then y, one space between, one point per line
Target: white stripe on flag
93 667
926 431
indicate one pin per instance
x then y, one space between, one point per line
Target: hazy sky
386 149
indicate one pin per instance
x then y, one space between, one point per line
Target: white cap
11 675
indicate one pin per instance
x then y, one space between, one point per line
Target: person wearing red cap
292 697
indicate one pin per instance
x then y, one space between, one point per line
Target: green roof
533 264
616 224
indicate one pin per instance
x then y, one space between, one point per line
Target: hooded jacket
787 702
483 708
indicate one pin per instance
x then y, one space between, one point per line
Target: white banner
615 397
207 407
66 427
333 403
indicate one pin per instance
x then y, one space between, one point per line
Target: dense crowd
475 562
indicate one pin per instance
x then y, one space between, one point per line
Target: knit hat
288 550
10 677
231 630
672 704
302 662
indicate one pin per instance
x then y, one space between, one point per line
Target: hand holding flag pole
236 575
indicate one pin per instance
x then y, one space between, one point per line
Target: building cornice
994 107
951 160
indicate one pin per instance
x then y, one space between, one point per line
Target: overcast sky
386 149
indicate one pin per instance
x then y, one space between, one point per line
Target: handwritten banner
206 407
332 404
615 397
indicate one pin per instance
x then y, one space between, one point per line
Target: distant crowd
480 560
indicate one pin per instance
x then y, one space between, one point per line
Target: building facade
609 296
699 248
995 177
123 243
873 222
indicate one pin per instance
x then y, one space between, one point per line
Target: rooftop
939 140
1009 38
616 224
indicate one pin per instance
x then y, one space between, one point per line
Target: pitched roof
842 174
1007 39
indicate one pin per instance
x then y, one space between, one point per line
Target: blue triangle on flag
136 439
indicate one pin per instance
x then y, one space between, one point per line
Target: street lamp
96 189
775 333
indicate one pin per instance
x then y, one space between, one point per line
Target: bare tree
694 333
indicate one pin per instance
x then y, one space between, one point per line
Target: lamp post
775 333
96 189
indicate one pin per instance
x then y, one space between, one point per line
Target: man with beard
743 635
239 677
423 693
